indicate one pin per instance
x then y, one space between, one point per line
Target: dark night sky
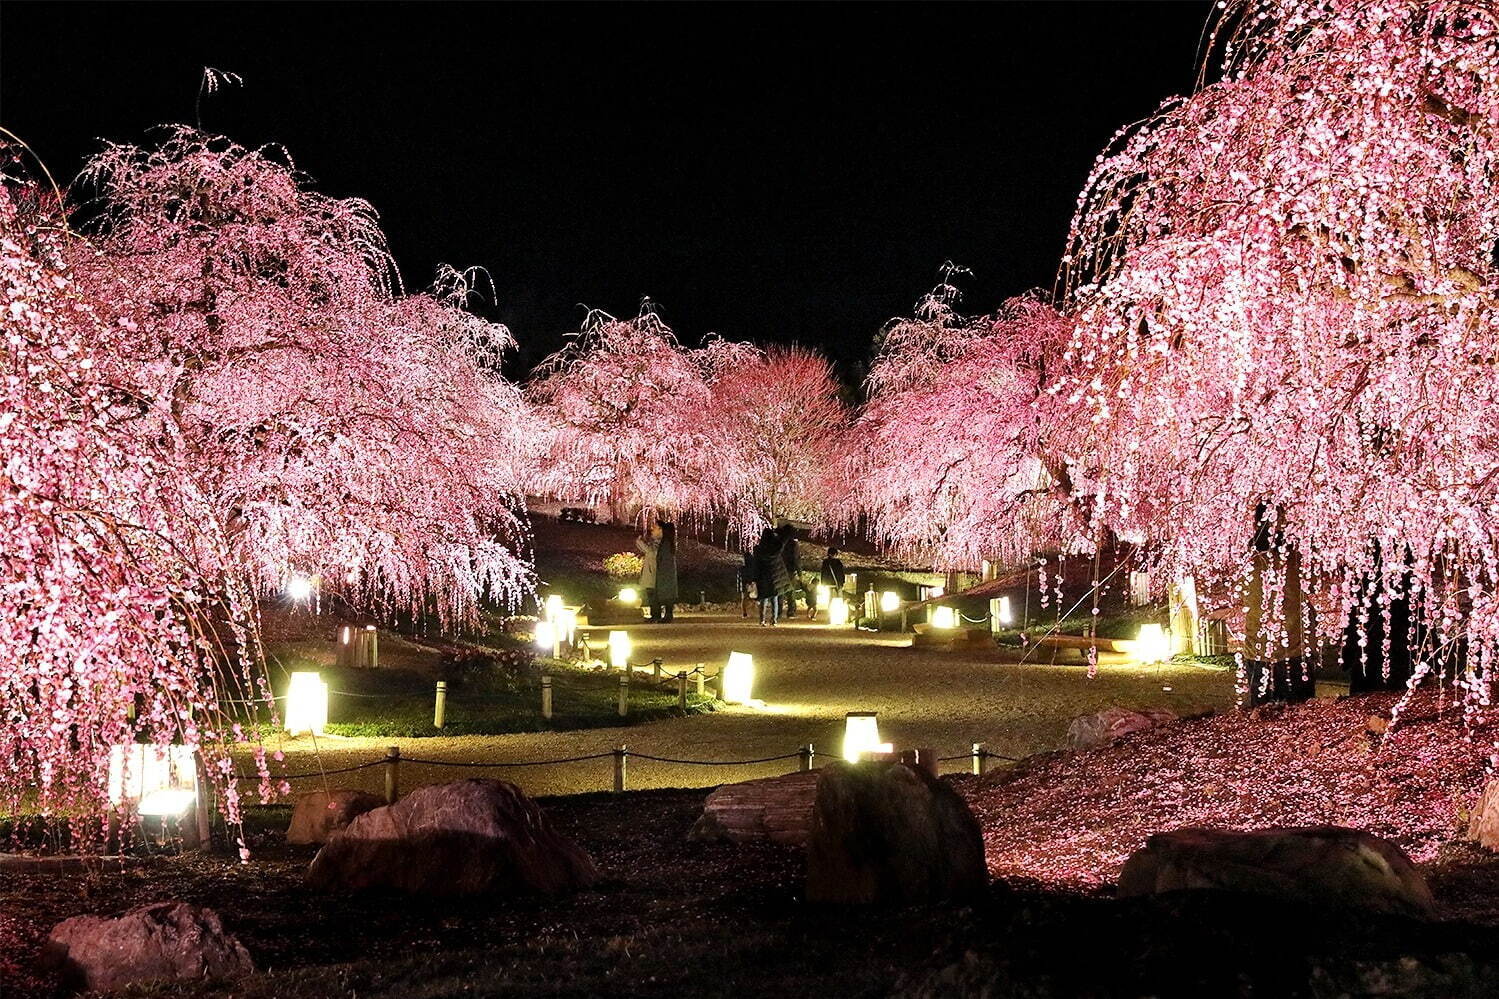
776 172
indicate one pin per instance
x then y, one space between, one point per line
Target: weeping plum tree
964 454
1285 290
783 432
341 430
627 417
116 590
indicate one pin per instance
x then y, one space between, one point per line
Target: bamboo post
392 774
806 753
546 697
702 677
440 706
980 758
682 690
624 693
620 755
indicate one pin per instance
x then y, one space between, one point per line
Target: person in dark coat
832 571
791 555
664 598
771 579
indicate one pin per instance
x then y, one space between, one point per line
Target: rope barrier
714 763
519 763
313 773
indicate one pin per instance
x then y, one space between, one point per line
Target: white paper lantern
141 774
889 602
861 734
306 703
619 649
838 612
944 617
1152 645
739 678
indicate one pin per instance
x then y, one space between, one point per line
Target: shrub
622 565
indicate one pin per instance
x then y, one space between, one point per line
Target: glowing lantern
837 612
619 649
306 703
629 596
739 678
1152 645
823 596
889 602
553 607
161 780
944 617
1005 615
299 588
933 592
861 734
566 625
546 637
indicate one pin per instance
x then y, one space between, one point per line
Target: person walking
833 575
664 600
770 576
791 556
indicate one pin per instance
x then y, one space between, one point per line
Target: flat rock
774 809
468 837
164 941
1321 865
891 833
319 814
1103 727
1483 824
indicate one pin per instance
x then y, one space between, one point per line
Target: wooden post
546 697
980 758
620 755
682 690
624 693
806 757
346 647
656 670
440 706
392 774
702 677
372 647
903 617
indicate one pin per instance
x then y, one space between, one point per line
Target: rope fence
979 757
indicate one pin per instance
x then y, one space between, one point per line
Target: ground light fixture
824 597
861 734
299 588
566 624
1152 645
1004 614
629 596
553 607
837 612
619 649
739 678
306 703
546 637
889 602
944 617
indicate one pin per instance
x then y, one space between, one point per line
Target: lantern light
299 588
934 592
739 678
889 602
306 703
619 649
1152 645
546 637
944 617
861 734
553 607
1006 615
167 801
824 595
629 596
566 624
838 612
138 771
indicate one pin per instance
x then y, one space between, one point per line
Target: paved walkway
809 676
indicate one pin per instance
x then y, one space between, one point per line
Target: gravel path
809 676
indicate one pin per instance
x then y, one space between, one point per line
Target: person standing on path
770 576
648 545
833 574
664 600
791 555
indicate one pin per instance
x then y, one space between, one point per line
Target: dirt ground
809 676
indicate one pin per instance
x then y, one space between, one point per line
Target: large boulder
1483 824
891 833
469 837
777 809
164 941
1103 727
319 814
1323 865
